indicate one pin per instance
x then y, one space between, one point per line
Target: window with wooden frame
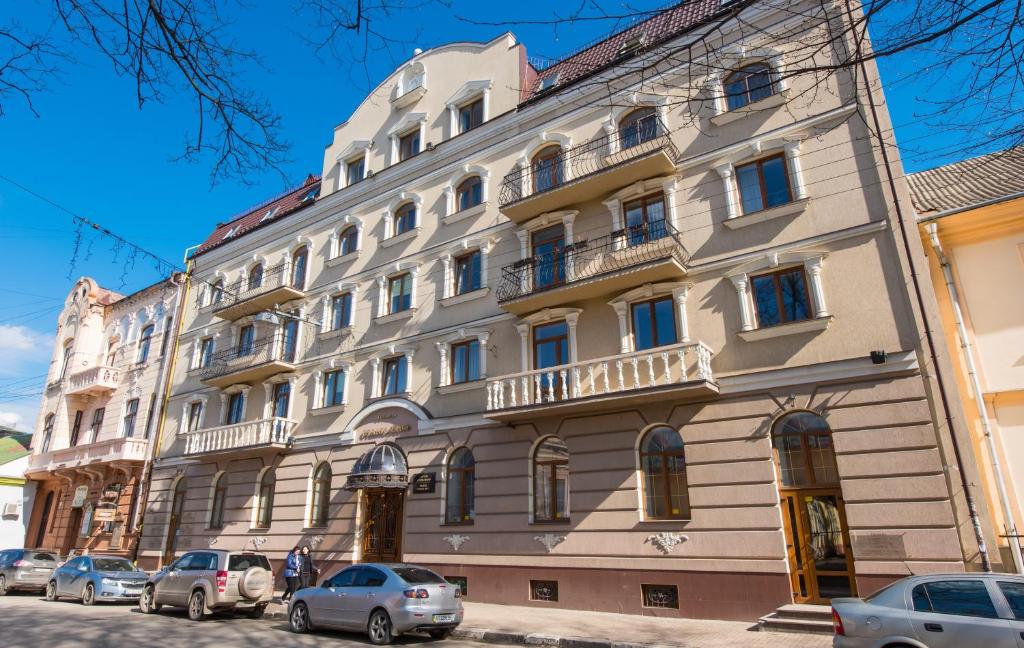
749 84
467 272
471 115
145 339
400 293
551 481
334 388
348 240
265 500
395 375
355 171
645 219
409 145
341 311
195 415
246 338
236 409
404 219
764 183
320 508
638 126
131 411
220 493
781 297
663 464
256 276
654 323
547 168
281 399
465 362
469 193
459 487
803 450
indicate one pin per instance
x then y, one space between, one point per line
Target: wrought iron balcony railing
544 174
237 436
244 355
586 260
268 280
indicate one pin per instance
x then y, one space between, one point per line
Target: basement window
660 596
543 590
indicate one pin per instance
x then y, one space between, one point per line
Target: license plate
42 569
444 618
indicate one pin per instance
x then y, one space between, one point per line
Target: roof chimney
310 179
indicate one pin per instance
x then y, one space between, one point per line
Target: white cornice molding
818 374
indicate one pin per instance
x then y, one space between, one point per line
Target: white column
334 243
796 176
571 319
746 317
325 314
423 141
669 187
609 130
615 210
359 235
197 344
779 69
487 103
524 243
524 345
292 382
318 388
817 290
485 176
393 158
449 201
183 428
485 250
680 294
223 408
375 389
717 94
382 296
567 222
731 199
453 121
483 337
414 273
268 405
448 288
621 309
442 350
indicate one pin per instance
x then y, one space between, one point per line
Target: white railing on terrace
103 377
122 449
667 365
248 434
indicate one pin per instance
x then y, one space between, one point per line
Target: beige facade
91 446
569 505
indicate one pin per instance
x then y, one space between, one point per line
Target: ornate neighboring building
92 445
548 329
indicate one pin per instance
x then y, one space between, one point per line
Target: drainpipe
979 396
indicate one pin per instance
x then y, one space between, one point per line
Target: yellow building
971 218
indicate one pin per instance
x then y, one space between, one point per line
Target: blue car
96 578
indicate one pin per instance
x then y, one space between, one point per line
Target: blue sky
94 152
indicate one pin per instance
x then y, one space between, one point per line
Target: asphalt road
28 621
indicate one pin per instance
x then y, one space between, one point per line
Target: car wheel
257 612
299 618
197 606
379 628
89 595
146 605
440 634
3 586
51 591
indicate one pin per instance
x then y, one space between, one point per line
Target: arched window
256 276
47 433
217 292
639 126
405 218
299 260
265 499
748 84
220 491
802 445
460 486
663 464
144 340
551 481
469 193
348 240
547 168
318 512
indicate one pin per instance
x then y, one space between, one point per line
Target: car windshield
44 556
242 562
112 564
418 576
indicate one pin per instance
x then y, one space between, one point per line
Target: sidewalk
509 624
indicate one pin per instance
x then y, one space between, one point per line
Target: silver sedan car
935 611
383 600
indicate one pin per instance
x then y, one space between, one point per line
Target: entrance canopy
383 466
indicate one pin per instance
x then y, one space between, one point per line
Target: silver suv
211 580
25 569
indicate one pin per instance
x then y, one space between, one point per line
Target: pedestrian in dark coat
292 572
309 571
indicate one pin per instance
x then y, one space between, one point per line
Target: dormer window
355 171
270 214
231 232
409 145
749 84
633 44
548 82
471 115
310 196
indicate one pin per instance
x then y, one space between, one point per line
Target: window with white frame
463 357
465 268
341 311
206 347
195 416
355 171
407 137
334 388
469 107
781 289
353 163
392 371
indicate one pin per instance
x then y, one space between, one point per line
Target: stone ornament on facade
456 540
315 541
666 541
550 540
259 541
211 540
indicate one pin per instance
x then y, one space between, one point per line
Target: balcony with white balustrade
81 457
263 434
94 381
676 372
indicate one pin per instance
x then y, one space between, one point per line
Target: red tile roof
663 26
280 206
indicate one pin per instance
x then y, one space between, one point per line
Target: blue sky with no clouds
93 151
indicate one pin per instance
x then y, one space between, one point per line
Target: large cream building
92 446
572 339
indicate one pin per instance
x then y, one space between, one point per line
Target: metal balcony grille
243 356
588 259
643 137
247 288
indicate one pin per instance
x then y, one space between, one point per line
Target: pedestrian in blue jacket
292 571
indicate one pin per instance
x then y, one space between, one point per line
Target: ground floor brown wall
893 482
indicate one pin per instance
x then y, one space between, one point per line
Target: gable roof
278 207
968 183
662 26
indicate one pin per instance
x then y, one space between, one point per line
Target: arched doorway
174 524
382 475
813 513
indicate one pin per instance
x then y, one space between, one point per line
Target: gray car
25 569
383 600
935 611
212 580
93 579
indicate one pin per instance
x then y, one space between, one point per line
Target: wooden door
382 525
72 531
174 525
818 545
